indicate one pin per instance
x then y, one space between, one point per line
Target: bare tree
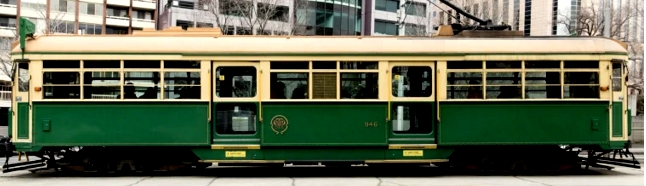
54 22
222 14
417 22
298 24
251 14
590 21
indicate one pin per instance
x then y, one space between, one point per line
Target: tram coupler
7 149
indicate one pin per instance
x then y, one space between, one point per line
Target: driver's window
616 77
23 77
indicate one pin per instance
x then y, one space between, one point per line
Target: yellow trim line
366 161
234 147
413 146
256 147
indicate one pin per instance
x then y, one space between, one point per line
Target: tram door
20 111
412 103
236 103
619 103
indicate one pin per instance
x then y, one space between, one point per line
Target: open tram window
235 118
542 80
412 118
235 82
141 85
464 80
543 85
464 85
101 85
182 85
503 85
65 83
359 86
290 85
61 85
581 85
412 81
503 79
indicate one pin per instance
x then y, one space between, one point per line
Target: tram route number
371 124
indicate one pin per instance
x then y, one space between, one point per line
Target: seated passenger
150 93
298 93
474 91
278 90
128 92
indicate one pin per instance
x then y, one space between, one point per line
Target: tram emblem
279 124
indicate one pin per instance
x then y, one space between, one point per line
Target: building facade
302 17
78 16
550 17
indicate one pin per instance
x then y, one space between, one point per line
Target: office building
301 17
78 16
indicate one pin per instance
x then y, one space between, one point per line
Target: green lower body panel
306 124
23 120
617 119
120 123
332 154
529 123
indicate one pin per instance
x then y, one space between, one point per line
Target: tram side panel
523 123
120 123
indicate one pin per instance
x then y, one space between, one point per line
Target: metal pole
606 17
363 17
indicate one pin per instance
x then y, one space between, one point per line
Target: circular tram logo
279 124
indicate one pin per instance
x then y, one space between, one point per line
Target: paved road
313 176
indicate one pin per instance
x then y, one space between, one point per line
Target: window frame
259 84
122 71
434 82
523 70
310 71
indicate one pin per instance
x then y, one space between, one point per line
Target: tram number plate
413 153
235 154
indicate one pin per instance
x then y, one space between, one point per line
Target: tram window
182 85
581 64
101 64
358 86
415 118
331 65
182 64
503 85
360 65
61 64
415 81
464 65
581 85
61 85
23 77
235 118
101 85
141 85
503 64
141 64
235 82
542 85
464 85
616 77
292 85
543 64
290 65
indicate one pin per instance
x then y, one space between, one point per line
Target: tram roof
314 45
